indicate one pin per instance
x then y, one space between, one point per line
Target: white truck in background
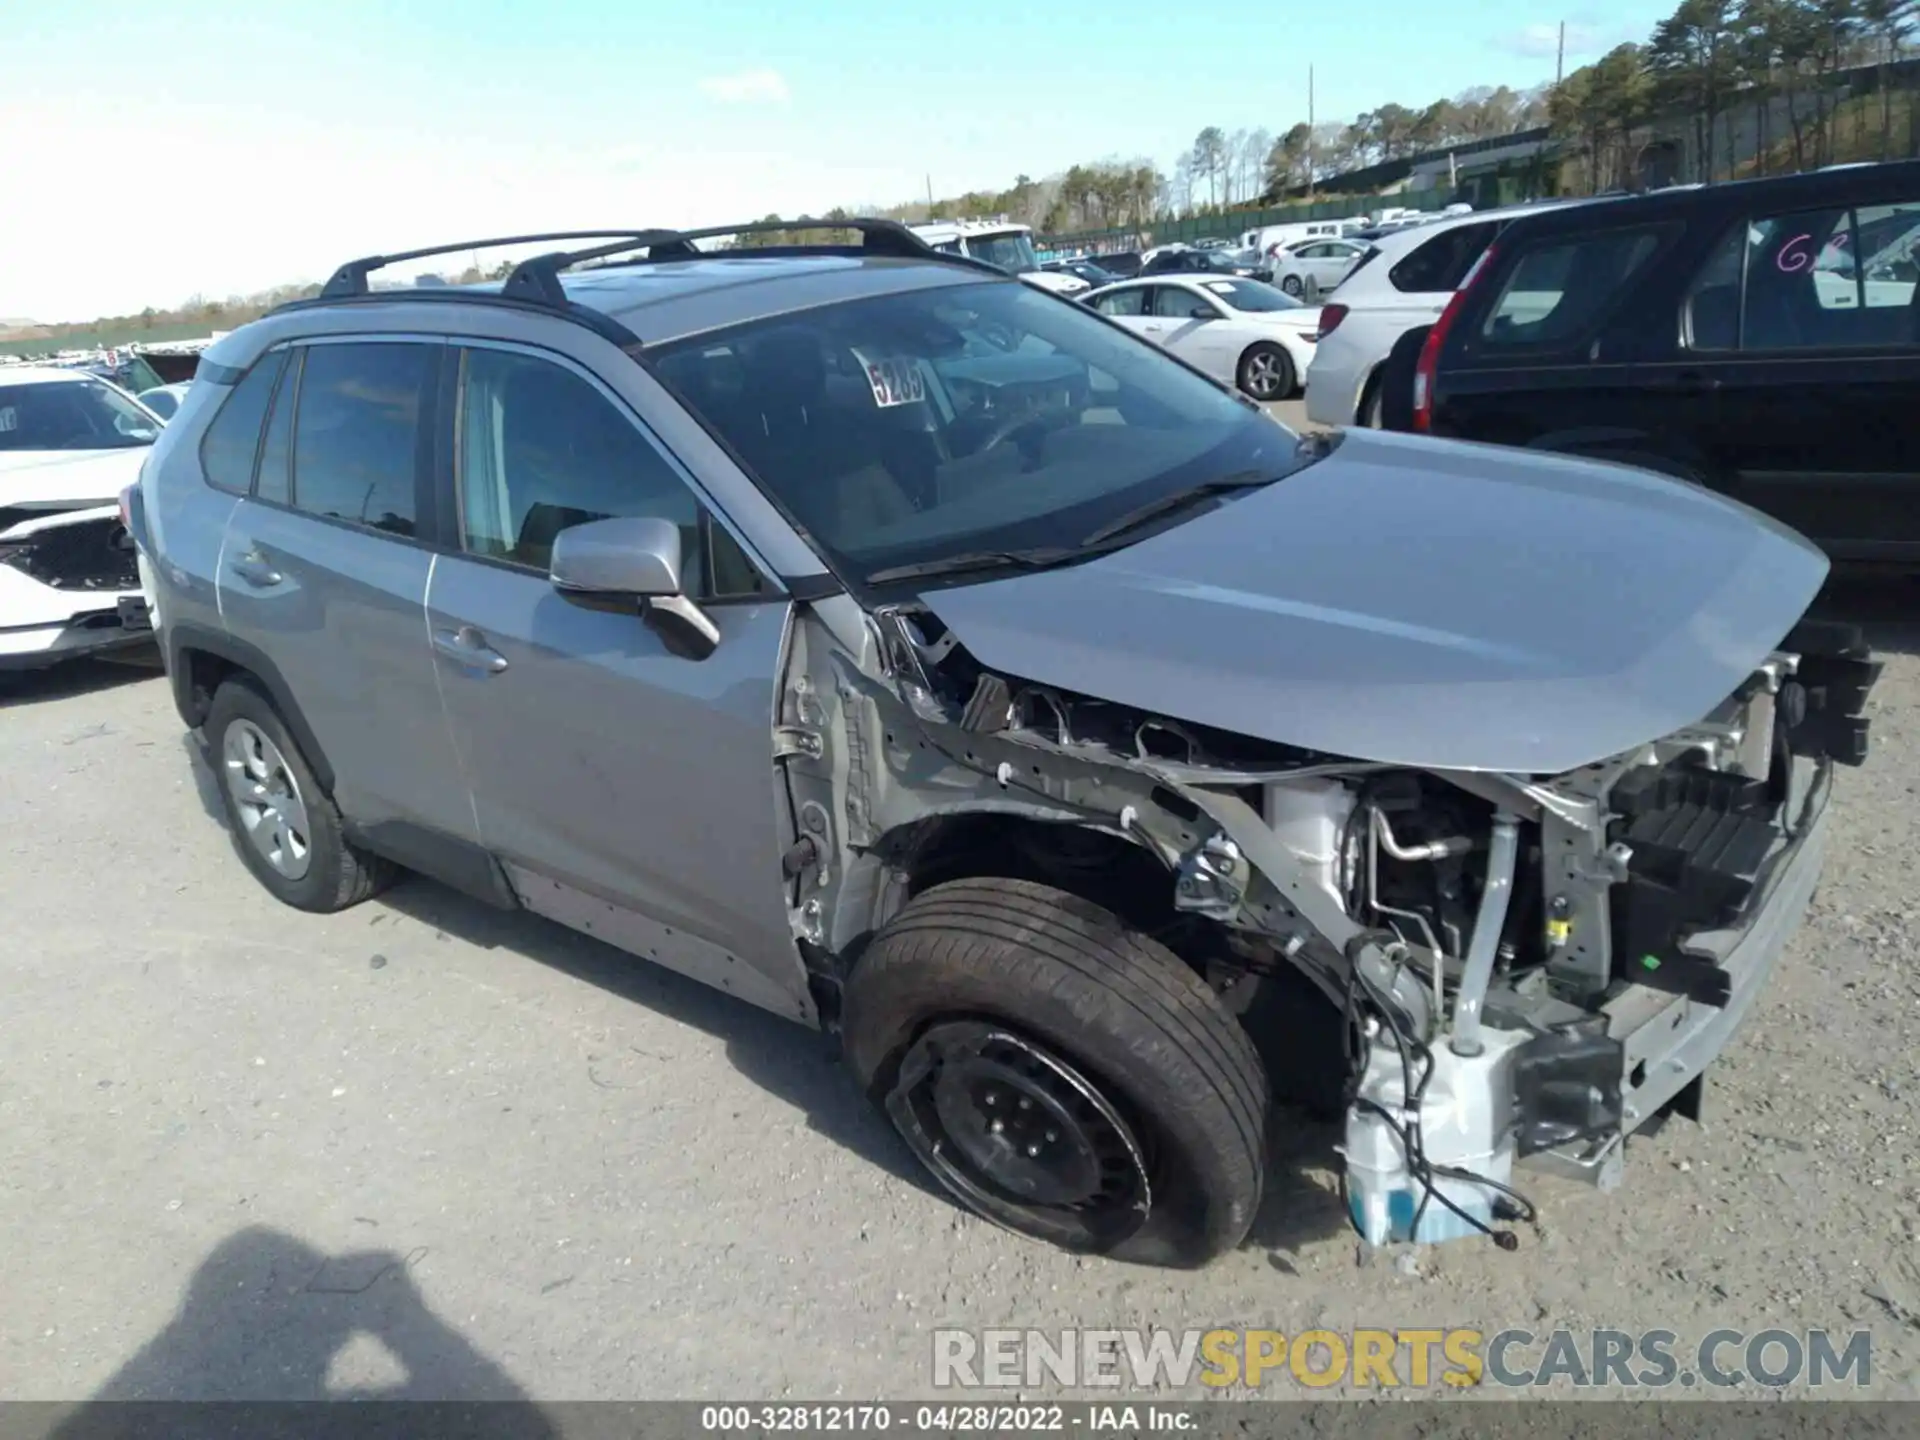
1005 243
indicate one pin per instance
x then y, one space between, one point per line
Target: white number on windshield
894 379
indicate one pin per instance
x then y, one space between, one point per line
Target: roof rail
538 278
351 278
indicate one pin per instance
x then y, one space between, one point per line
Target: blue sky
158 150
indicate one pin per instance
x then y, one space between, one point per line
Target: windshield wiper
973 560
1176 501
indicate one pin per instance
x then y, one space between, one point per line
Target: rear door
324 571
630 790
1813 363
1540 362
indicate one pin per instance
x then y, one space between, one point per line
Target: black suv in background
1761 337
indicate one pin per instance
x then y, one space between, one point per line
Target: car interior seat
824 458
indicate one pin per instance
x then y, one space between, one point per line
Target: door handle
1692 382
253 567
469 647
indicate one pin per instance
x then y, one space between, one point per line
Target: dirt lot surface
426 1149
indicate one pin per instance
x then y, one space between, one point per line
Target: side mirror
1201 312
627 555
634 558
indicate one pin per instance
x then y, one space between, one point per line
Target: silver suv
923 657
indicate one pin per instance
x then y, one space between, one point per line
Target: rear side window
1830 279
1560 290
1123 302
357 435
1438 266
228 448
275 480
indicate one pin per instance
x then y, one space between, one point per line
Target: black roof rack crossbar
538 278
351 278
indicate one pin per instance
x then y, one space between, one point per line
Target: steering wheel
1000 335
1007 428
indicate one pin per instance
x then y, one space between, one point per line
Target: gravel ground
424 1149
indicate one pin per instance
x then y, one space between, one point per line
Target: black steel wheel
1021 1136
1059 1073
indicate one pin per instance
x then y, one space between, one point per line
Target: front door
322 572
1196 329
630 791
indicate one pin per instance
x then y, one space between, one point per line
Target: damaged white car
922 657
70 443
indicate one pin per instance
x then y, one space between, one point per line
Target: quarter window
357 434
1438 266
227 449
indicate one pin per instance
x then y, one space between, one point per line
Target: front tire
1266 373
286 828
1062 1075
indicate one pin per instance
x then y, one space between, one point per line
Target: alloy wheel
267 799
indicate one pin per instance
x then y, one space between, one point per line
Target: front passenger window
1173 302
542 450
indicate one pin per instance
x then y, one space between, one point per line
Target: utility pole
1560 57
929 195
1309 134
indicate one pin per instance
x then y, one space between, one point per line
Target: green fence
1231 224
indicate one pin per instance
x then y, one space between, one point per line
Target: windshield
1254 296
908 428
71 415
1012 253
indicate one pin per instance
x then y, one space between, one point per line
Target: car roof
661 301
41 374
1806 190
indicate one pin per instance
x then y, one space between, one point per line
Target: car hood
1418 602
58 478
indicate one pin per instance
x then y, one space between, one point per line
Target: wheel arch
1095 863
200 660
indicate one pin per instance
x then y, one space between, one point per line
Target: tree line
1732 66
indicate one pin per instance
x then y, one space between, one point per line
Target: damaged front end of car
69 583
1518 968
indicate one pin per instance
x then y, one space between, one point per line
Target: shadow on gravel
1886 606
793 1063
77 677
265 1317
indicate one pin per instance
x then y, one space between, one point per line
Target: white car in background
164 400
1404 280
1244 332
70 442
1319 264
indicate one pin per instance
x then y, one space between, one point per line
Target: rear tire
1372 407
1062 1075
286 828
1266 373
1291 284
